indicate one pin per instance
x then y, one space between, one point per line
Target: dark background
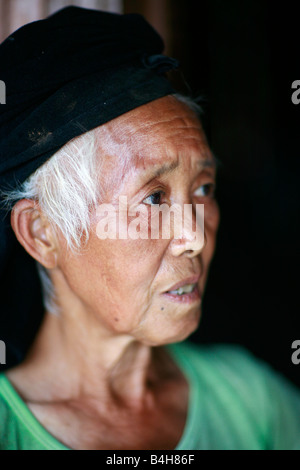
242 57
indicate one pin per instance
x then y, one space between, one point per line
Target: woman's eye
205 190
154 198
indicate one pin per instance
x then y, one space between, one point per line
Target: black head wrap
64 75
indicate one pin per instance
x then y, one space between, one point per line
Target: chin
178 333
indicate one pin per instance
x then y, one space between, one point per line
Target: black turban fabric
64 75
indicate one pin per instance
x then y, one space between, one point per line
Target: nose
192 237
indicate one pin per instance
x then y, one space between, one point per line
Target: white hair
68 191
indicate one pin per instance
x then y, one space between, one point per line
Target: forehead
153 135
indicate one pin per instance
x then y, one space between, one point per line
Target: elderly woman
91 123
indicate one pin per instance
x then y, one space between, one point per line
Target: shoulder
234 366
225 370
4 394
7 412
19 429
237 383
219 358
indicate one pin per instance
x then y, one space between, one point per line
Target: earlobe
34 232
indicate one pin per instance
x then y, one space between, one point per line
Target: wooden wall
159 13
16 13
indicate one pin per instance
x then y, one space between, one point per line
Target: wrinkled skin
120 282
92 370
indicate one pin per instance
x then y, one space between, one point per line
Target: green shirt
235 402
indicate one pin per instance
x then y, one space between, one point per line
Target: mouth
186 291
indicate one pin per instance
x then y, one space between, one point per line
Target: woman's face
154 154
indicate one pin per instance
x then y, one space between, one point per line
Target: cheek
126 273
135 269
117 271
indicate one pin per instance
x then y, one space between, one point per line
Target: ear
34 232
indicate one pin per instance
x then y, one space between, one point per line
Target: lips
189 280
182 297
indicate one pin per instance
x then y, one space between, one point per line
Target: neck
73 360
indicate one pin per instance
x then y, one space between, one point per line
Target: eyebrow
169 167
165 169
